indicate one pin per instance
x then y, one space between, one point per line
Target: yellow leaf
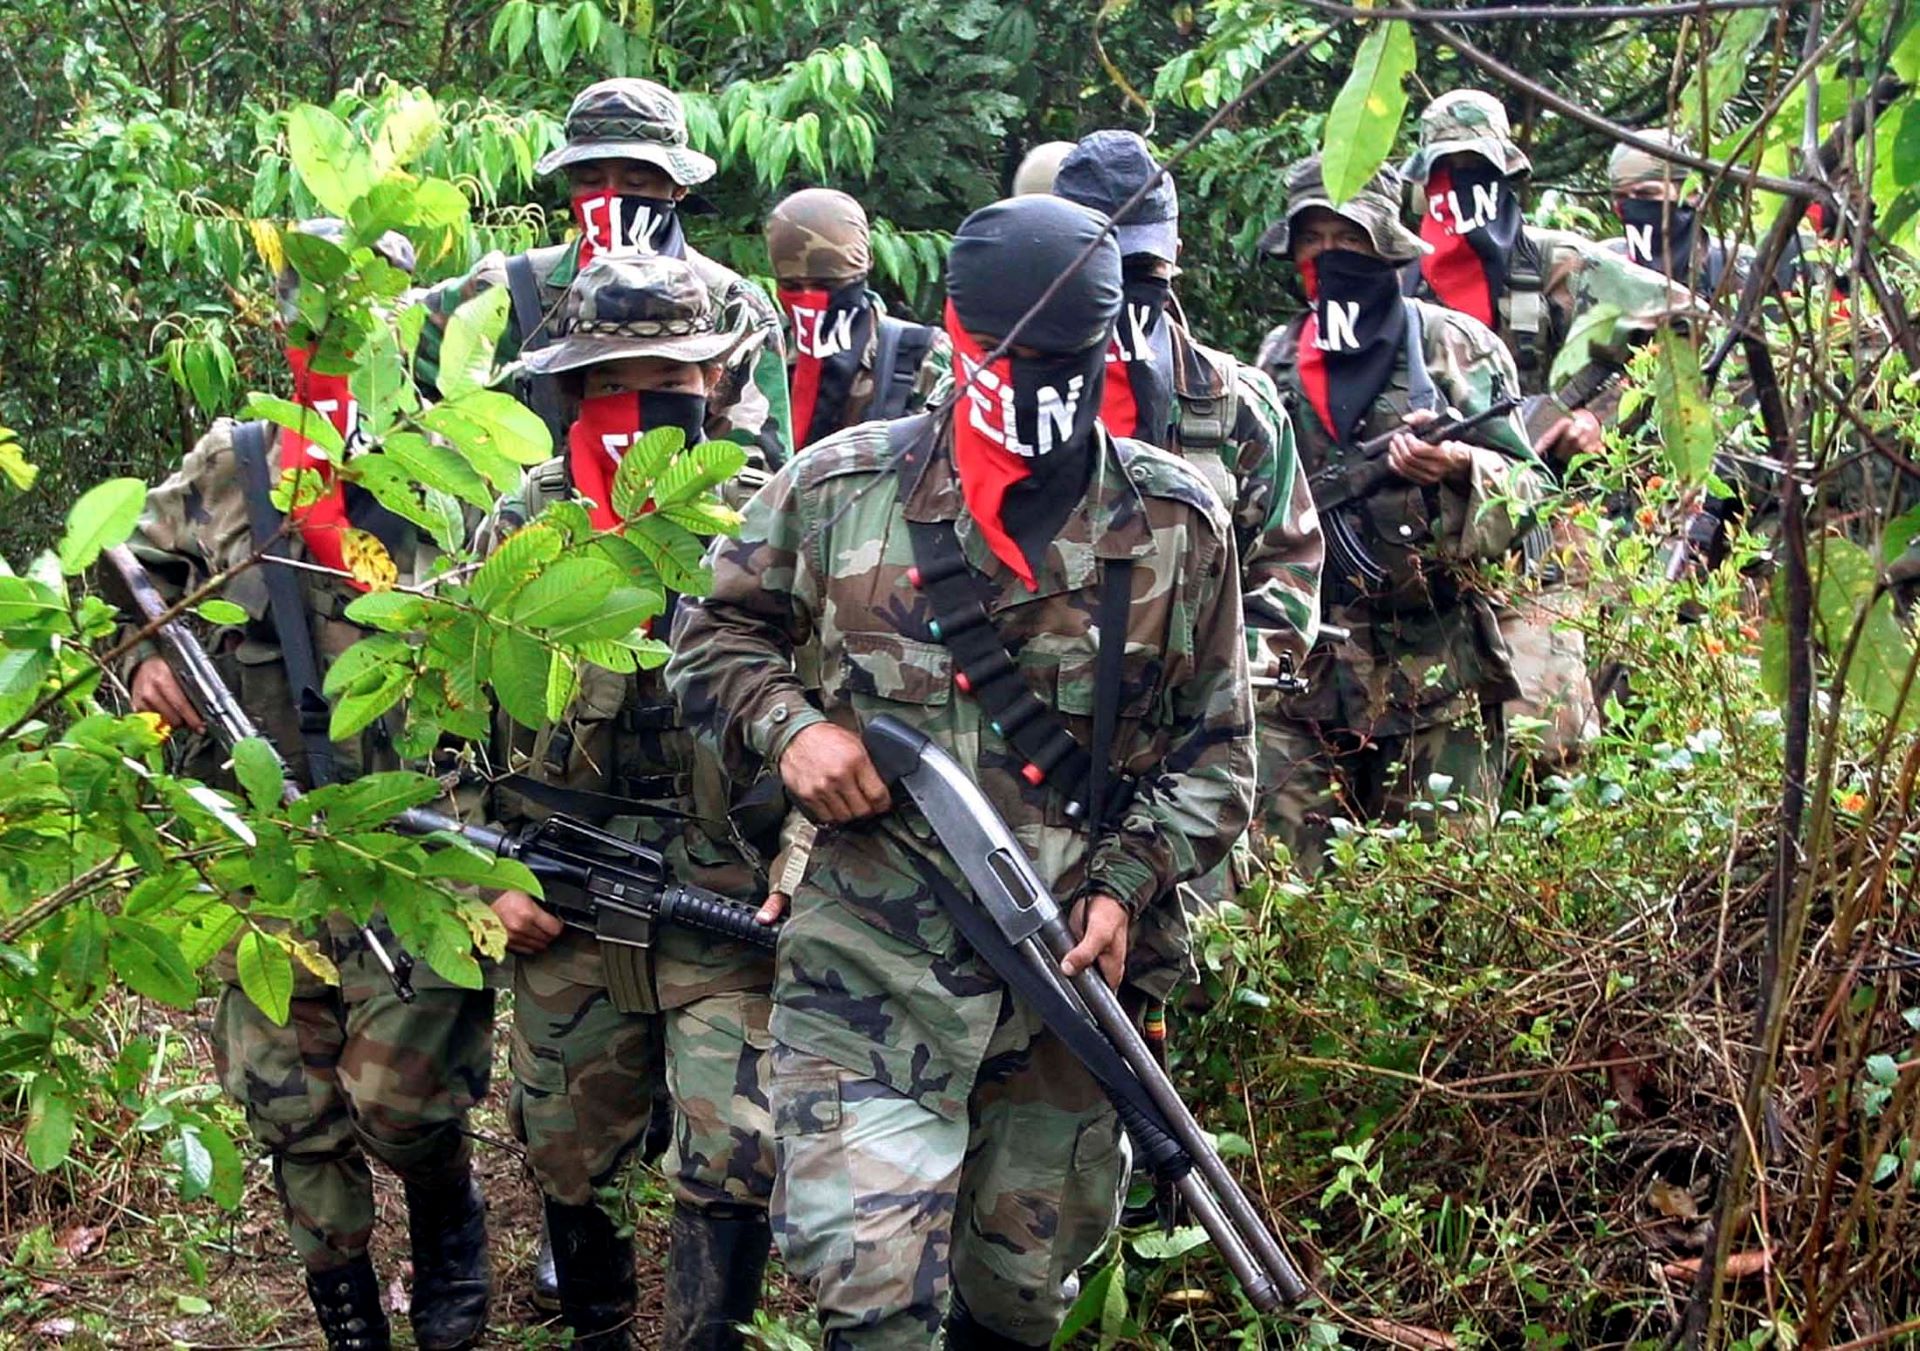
266 242
368 560
315 961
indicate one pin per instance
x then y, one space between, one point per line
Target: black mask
1056 416
1360 322
618 223
1474 182
662 408
1659 234
843 329
1145 344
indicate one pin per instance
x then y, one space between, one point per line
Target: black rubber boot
963 1334
451 1283
347 1300
594 1264
716 1260
546 1281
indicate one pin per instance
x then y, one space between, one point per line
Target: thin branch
1564 13
57 901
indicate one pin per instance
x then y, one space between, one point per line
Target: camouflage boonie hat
1037 170
630 119
1375 209
818 234
635 305
1466 121
1628 166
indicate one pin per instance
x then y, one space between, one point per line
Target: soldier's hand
1425 463
530 926
155 690
1578 433
829 773
1101 924
772 908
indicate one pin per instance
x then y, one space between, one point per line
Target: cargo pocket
878 669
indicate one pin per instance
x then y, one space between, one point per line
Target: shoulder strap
1116 599
1420 388
541 392
989 671
287 602
897 357
1207 421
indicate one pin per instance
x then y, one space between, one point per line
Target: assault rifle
1016 927
613 888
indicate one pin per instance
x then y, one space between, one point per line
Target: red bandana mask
621 224
607 425
1454 270
321 521
983 424
830 330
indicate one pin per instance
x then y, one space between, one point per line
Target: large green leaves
266 974
466 349
1680 403
151 963
331 160
1366 114
104 516
50 1120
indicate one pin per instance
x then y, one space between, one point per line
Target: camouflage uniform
355 1072
637 119
1555 279
932 1135
819 235
598 1027
1414 690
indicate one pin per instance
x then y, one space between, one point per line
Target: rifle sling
1153 1139
287 602
529 316
991 672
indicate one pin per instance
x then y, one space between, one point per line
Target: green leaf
489 420
438 467
259 771
380 385
329 158
1680 403
523 553
316 427
569 591
316 259
1598 324
375 799
520 665
274 872
222 612
1366 115
359 710
553 39
105 515
1845 580
186 1152
640 466
392 611
460 865
676 553
358 663
467 347
411 122
229 1171
83 951
49 1132
621 613
266 974
1159 1247
700 470
151 963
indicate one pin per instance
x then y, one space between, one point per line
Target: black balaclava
1660 234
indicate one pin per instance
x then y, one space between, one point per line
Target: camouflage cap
1375 209
634 305
1629 165
818 234
1036 171
1466 121
630 119
1104 172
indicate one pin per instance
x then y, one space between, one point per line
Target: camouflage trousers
584 1074
1555 717
354 1073
889 1210
1308 777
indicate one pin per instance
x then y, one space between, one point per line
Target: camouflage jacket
872 973
623 738
1429 660
934 370
1253 467
1557 278
750 404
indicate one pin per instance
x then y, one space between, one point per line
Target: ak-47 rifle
615 889
1016 927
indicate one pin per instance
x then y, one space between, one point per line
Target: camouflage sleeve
1277 529
188 527
1184 818
1474 369
750 406
442 300
934 375
732 668
1585 278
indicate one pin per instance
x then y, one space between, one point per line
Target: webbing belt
897 356
989 672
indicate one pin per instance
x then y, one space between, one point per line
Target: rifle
1289 681
1016 927
613 888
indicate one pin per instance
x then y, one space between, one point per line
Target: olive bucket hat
1466 121
634 305
1375 209
630 119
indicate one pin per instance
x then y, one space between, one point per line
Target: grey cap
1036 171
1007 255
630 119
1104 172
634 305
1375 209
1629 165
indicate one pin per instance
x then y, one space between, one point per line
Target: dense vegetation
1642 1063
